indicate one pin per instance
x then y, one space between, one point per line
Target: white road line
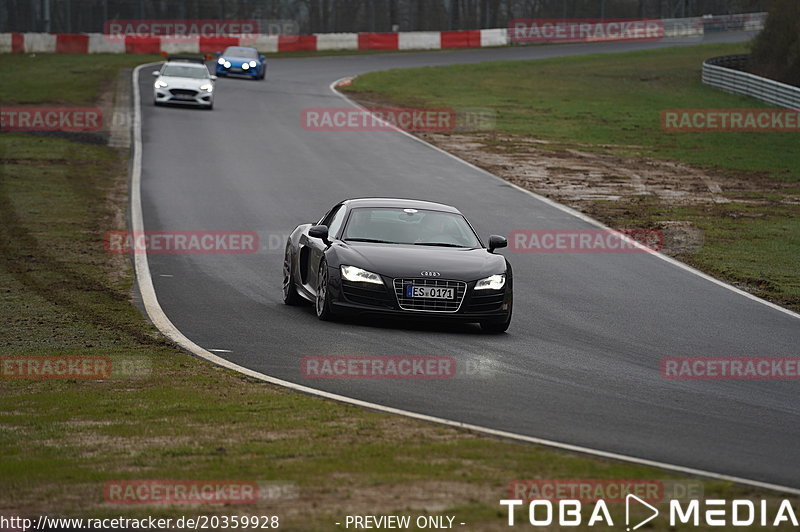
162 322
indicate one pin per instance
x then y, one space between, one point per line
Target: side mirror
213 77
262 58
156 73
318 231
218 53
497 241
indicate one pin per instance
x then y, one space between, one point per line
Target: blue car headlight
253 64
221 60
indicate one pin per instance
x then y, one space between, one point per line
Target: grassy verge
178 417
611 105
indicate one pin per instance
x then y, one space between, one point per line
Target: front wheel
322 303
496 327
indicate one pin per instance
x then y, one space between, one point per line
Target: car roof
236 48
187 64
399 203
186 60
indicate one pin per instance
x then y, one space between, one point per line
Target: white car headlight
253 64
221 61
227 64
208 87
351 273
160 84
245 66
493 282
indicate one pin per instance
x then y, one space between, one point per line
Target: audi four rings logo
430 274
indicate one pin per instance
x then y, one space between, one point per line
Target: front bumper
183 96
238 71
384 300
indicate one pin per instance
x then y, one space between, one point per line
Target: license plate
429 292
184 97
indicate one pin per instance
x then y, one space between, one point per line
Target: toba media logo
708 512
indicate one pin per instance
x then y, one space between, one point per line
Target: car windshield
235 51
409 226
185 71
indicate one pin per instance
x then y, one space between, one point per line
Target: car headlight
245 66
253 64
208 87
160 84
351 273
493 282
221 61
227 64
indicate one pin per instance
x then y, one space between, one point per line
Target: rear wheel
290 295
322 303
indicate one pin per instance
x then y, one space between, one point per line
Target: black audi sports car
400 258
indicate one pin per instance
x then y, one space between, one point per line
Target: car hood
398 260
183 83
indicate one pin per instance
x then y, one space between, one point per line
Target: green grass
56 79
612 103
61 441
600 100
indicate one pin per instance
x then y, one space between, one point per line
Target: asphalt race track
581 361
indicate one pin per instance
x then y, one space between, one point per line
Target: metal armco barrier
725 73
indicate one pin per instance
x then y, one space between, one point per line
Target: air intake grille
426 304
183 92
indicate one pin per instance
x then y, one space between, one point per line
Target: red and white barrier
91 43
83 43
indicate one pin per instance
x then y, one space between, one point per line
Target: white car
184 80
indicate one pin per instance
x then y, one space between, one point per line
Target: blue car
241 61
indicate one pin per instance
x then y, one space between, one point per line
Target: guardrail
725 73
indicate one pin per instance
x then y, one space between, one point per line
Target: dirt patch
599 182
574 176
